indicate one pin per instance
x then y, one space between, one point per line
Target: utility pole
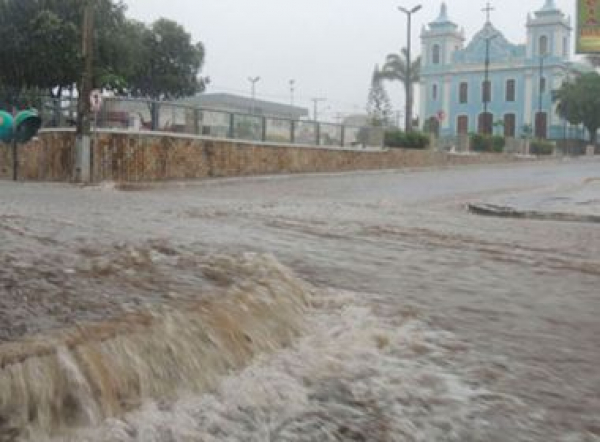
253 81
83 104
409 98
316 102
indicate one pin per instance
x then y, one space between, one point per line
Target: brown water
424 322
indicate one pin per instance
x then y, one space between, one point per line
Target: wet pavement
506 311
578 202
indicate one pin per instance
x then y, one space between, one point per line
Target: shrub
411 140
541 147
487 143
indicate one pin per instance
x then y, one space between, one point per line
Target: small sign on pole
96 100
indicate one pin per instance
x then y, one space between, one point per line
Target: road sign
96 100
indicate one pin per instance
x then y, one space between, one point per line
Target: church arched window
510 90
436 54
543 45
463 93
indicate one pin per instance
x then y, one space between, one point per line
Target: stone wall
50 157
136 157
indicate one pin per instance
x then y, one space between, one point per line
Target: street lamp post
487 88
566 113
542 86
253 81
409 13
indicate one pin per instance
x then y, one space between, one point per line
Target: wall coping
145 133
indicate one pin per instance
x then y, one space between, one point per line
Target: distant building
520 83
245 105
357 120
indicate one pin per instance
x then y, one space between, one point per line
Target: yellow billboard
588 26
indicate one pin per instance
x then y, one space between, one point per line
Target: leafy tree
42 43
41 51
169 62
379 107
579 102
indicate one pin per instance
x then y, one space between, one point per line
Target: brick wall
133 157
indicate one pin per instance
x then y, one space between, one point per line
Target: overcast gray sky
328 46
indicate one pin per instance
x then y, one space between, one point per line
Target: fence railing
137 115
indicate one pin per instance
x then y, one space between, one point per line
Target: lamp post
487 87
409 13
253 81
565 111
542 87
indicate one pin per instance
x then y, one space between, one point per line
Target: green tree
42 44
396 69
41 51
379 107
169 63
579 102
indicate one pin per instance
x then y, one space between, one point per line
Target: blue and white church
457 99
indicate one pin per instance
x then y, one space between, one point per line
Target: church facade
491 85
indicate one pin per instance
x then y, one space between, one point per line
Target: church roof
548 14
548 8
442 22
500 47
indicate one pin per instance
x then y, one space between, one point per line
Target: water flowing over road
419 321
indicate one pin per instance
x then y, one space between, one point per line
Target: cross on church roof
487 11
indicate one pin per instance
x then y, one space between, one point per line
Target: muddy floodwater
352 307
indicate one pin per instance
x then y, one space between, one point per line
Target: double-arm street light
408 84
542 87
253 81
487 87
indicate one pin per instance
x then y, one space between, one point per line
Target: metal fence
142 115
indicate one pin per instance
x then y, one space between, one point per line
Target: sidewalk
580 203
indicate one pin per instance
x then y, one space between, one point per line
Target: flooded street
419 321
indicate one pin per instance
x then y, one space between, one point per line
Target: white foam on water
356 376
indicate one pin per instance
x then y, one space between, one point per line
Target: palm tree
396 69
